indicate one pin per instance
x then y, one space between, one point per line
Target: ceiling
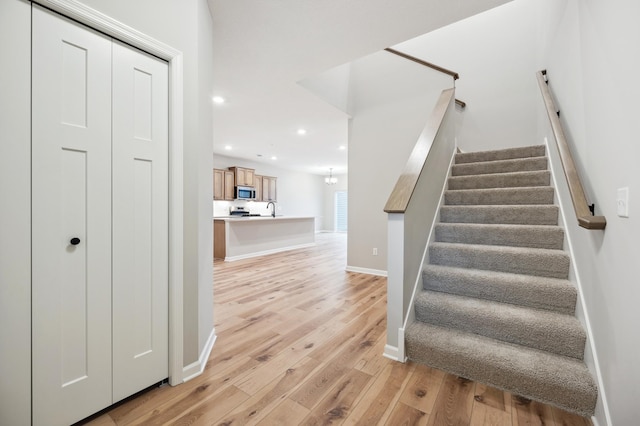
262 48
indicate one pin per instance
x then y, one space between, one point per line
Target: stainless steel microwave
245 193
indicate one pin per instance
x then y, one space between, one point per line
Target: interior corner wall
493 52
391 100
590 51
15 213
205 172
178 25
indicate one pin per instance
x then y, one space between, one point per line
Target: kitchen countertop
254 218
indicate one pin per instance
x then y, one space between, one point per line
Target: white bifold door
99 220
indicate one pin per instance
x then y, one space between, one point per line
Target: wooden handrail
406 183
583 211
453 74
425 63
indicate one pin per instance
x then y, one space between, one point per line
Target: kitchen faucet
273 211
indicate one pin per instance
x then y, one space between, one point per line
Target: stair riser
539 263
562 382
542 330
503 166
532 292
549 238
504 154
514 215
501 196
501 180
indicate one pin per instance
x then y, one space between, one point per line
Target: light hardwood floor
300 342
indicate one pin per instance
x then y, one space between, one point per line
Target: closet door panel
71 220
140 220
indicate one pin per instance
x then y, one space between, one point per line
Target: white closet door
140 221
71 198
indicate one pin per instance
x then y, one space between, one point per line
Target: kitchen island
236 238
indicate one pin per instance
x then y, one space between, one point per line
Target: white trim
196 368
109 26
582 305
378 272
391 352
266 252
401 353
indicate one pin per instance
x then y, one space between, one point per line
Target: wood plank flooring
300 342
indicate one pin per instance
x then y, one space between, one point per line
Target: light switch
623 202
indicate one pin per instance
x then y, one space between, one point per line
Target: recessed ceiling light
273 157
342 147
228 147
302 132
218 99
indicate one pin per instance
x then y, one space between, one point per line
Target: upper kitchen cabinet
223 184
258 186
229 185
269 188
218 184
243 176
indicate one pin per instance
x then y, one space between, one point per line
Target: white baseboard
390 352
266 252
378 272
196 368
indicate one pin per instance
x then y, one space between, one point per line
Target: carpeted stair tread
500 196
500 166
522 214
501 154
501 180
517 260
539 329
533 236
526 290
553 379
496 304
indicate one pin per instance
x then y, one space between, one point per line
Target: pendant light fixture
330 180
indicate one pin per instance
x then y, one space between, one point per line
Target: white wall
15 215
205 175
494 53
299 194
390 101
182 25
590 49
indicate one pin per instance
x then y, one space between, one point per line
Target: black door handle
75 241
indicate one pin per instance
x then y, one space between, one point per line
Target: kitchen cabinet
269 188
243 176
219 237
223 184
258 181
229 185
218 184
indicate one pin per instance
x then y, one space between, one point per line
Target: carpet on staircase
496 304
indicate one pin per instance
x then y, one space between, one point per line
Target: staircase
496 305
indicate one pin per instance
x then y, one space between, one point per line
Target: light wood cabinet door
218 184
229 185
257 180
249 177
243 176
269 188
